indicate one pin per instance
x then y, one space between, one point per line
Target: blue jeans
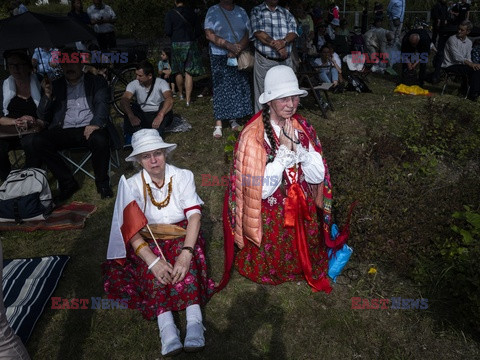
328 74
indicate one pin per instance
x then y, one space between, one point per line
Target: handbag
245 59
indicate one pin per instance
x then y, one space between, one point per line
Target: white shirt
183 195
457 51
311 162
155 98
105 13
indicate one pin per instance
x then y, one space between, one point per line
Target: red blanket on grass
66 217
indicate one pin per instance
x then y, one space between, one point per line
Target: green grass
400 213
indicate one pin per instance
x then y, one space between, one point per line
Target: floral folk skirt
142 290
231 90
277 259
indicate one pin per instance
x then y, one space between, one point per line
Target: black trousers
146 120
106 40
48 142
472 75
409 77
25 143
440 55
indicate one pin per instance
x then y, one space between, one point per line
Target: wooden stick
156 243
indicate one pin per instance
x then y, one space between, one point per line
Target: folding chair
79 164
452 76
306 73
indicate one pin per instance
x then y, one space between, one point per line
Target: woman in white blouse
136 271
279 181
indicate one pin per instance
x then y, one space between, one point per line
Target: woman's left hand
181 267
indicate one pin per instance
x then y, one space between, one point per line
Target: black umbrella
30 30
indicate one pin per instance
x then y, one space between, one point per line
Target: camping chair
307 74
454 77
79 164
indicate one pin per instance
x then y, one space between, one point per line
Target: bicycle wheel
118 86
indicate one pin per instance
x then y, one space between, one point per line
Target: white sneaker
234 124
194 341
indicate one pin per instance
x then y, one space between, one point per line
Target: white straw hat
145 140
280 82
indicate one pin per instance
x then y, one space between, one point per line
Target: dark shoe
106 192
473 97
66 192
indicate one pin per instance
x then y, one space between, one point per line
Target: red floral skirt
277 259
143 291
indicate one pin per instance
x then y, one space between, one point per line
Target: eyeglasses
155 154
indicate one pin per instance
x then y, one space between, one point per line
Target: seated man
76 108
415 49
458 59
153 108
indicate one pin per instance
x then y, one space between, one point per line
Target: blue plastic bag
337 262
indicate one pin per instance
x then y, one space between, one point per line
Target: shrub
451 273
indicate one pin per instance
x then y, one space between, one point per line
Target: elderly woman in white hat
278 182
172 276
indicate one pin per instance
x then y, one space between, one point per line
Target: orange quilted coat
250 159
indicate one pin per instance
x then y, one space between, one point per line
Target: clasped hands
25 122
281 47
287 136
234 49
165 273
135 121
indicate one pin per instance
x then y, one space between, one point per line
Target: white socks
194 314
194 340
169 334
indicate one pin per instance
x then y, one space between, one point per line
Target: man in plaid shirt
275 30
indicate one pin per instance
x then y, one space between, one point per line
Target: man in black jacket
439 15
415 50
76 107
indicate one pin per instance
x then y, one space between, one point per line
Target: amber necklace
163 203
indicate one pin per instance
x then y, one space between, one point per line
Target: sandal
218 132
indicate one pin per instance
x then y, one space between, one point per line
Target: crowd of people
279 223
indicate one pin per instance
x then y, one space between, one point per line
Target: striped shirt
277 24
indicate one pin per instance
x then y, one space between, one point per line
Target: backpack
357 84
25 195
